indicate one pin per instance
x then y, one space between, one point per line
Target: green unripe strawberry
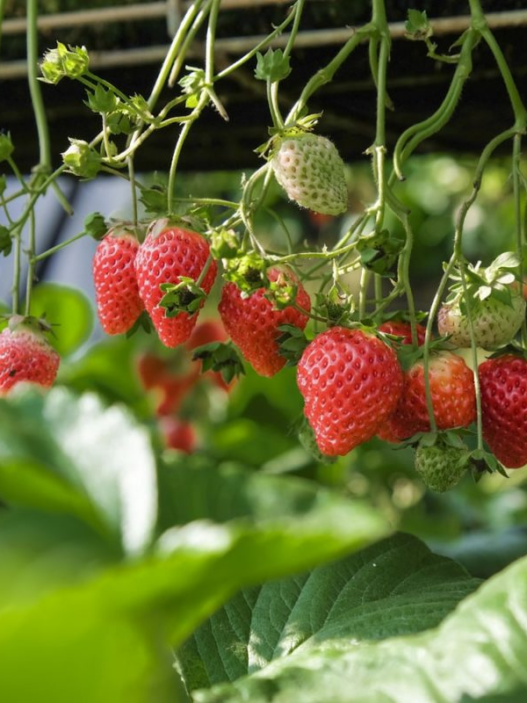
440 466
495 322
310 170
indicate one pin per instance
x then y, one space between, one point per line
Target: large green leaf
86 448
392 588
69 310
476 654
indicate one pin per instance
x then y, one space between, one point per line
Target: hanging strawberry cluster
366 368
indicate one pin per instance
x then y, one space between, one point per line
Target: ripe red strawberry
178 434
351 382
116 290
453 398
168 253
503 383
26 356
152 370
253 322
398 328
173 391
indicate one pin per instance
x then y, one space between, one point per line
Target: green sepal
282 291
417 26
6 146
337 306
119 123
273 66
224 244
6 242
192 84
102 100
379 252
81 159
222 357
155 200
95 226
143 322
291 343
483 462
185 296
247 272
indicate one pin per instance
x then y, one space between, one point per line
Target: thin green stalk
189 38
211 38
58 247
31 265
173 53
520 113
133 186
259 47
365 276
16 271
274 107
416 134
518 217
204 270
2 5
325 75
473 352
404 275
179 147
34 86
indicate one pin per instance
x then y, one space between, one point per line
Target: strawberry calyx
185 296
513 348
221 357
483 462
28 323
162 224
248 272
495 281
302 126
408 355
291 343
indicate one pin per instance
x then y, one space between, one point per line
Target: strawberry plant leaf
6 243
68 311
222 357
343 601
484 632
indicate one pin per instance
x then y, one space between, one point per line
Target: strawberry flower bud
64 62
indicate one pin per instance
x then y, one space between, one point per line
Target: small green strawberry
311 171
441 465
497 307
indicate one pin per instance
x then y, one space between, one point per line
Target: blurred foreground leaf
69 310
75 453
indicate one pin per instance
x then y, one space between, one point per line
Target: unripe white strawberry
495 322
311 171
494 299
